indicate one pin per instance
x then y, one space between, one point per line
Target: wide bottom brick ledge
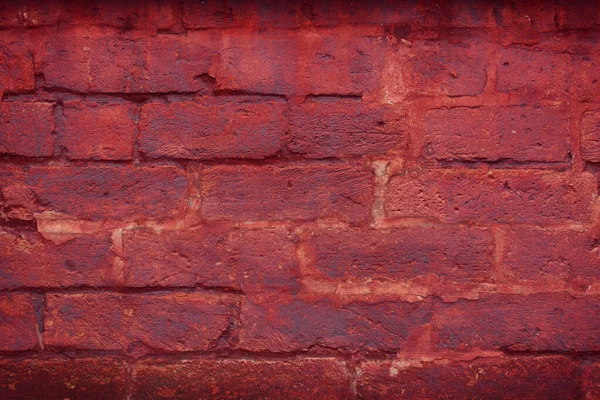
523 377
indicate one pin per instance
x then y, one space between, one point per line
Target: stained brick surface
299 199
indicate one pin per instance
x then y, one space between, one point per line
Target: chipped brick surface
234 379
285 199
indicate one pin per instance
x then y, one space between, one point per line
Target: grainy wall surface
301 200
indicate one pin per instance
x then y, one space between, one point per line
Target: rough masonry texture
291 199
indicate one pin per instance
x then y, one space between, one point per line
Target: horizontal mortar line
321 28
169 357
383 225
432 102
442 27
374 26
224 353
57 95
288 160
542 353
499 164
122 290
236 293
52 354
408 222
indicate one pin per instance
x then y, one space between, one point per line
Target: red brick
458 254
590 379
86 61
90 378
104 192
29 13
577 15
125 14
337 128
346 61
457 14
484 378
16 69
211 256
544 73
492 134
537 322
547 15
17 201
286 325
290 192
506 196
26 129
18 328
291 13
112 321
203 131
30 261
454 66
590 136
538 16
99 131
217 14
237 379
545 256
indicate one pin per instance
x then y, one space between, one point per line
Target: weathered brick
546 15
290 192
203 131
26 129
590 136
105 192
16 69
29 13
86 61
99 131
345 61
236 379
18 328
453 66
537 322
484 378
127 14
544 256
546 73
458 254
590 379
337 128
506 196
497 133
216 14
16 200
457 14
63 379
30 261
111 321
291 13
284 324
577 15
212 256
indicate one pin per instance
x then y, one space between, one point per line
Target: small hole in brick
70 265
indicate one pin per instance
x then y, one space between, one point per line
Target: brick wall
285 199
